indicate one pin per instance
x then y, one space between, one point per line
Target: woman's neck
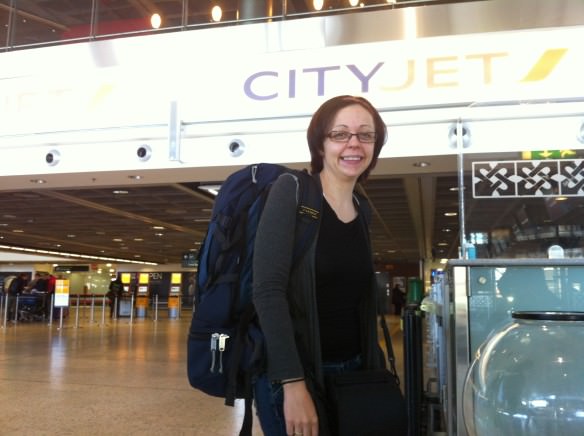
339 195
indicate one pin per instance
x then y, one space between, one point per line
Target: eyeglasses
343 136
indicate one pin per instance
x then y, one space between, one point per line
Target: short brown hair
322 120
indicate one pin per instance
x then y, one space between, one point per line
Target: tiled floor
112 378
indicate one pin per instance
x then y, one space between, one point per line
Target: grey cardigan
285 296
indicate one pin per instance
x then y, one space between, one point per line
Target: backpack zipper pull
214 341
222 341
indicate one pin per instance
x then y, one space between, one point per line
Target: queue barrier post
103 310
115 314
51 308
132 310
156 307
5 298
61 318
77 313
92 311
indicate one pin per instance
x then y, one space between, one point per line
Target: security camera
581 133
53 157
144 152
236 147
453 136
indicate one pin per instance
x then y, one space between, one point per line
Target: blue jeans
269 397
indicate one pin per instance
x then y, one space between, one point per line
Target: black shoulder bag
368 402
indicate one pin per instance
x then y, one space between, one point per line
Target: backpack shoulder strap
309 206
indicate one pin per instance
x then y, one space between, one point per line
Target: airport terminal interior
120 120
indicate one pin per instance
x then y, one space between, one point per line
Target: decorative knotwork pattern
533 178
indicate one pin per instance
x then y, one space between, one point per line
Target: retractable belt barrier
84 309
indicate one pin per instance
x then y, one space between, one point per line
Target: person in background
17 287
114 294
398 298
38 284
320 316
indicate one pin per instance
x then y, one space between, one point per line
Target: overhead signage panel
234 84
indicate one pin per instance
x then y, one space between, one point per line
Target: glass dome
528 378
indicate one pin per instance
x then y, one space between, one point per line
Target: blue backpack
225 343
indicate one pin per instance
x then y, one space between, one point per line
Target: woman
318 317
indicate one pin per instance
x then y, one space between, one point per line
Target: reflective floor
102 377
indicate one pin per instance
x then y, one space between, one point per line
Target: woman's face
349 159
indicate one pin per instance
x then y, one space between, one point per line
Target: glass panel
326 6
50 21
228 11
496 292
4 16
525 203
126 16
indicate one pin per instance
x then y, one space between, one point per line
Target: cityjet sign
523 69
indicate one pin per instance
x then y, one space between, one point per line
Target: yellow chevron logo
545 65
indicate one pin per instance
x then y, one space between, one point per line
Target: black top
343 278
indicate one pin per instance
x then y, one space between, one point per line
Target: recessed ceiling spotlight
446 230
38 181
155 21
216 13
120 192
211 189
136 177
450 213
421 164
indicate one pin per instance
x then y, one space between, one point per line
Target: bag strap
389 347
307 213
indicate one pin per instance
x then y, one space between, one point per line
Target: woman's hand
299 410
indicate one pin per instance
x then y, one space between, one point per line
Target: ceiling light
421 164
158 227
155 21
211 189
317 4
120 192
18 231
135 177
450 213
216 13
81 256
353 2
38 181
